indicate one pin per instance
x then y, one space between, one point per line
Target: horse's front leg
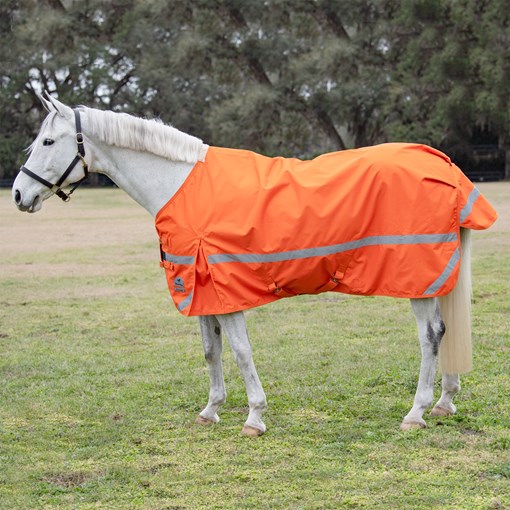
211 339
234 325
430 332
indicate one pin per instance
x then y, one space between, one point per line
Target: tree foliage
452 69
280 77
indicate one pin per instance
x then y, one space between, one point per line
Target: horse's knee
212 356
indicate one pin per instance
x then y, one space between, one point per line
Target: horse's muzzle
32 207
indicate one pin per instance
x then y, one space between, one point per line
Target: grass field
101 380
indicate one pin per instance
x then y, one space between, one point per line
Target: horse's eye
48 141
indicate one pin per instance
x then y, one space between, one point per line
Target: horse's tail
455 351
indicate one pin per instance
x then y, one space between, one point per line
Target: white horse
150 161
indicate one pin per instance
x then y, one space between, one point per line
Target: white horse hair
150 161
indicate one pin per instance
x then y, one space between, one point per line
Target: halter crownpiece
80 157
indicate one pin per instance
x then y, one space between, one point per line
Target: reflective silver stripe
445 274
177 259
332 249
186 302
466 210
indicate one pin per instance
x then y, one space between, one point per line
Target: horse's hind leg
430 332
234 325
211 338
445 406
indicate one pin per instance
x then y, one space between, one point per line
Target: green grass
102 380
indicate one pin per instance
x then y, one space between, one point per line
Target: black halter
80 156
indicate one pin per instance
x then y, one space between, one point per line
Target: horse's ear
61 108
46 104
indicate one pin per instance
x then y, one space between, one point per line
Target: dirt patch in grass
70 479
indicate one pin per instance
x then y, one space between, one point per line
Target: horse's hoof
252 431
441 411
204 421
408 425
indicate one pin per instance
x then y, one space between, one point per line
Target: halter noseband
80 156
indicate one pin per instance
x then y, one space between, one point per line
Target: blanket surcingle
245 230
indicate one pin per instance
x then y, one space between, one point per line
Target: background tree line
282 77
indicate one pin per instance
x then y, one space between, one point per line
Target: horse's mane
124 130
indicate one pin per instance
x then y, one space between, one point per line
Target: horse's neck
150 180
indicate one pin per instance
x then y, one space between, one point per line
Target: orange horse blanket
245 230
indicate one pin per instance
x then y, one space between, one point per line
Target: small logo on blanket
179 285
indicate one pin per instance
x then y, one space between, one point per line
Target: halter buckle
62 195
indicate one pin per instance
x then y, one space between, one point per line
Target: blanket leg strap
333 281
274 289
338 276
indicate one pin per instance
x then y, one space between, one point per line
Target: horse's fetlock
425 399
219 399
258 404
452 388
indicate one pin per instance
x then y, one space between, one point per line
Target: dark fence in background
482 162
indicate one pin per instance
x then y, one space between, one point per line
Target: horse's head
53 158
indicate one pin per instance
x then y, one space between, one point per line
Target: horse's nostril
17 197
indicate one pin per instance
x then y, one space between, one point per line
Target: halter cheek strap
80 156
